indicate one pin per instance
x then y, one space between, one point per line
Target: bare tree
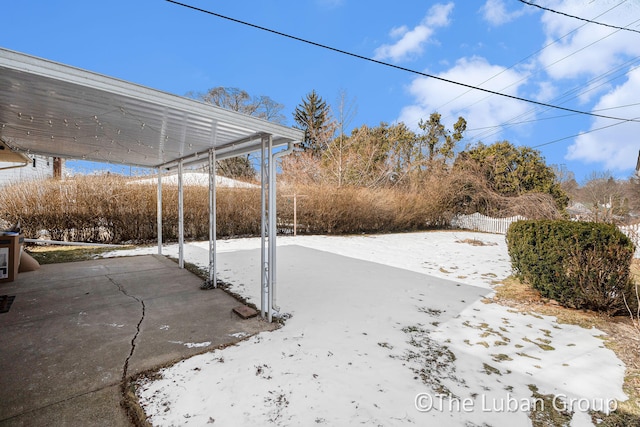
239 100
605 196
335 152
567 181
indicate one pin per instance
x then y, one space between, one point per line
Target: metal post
295 215
212 218
264 263
159 213
272 229
295 210
180 217
273 210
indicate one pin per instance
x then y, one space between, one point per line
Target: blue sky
501 45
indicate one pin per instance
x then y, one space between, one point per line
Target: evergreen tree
513 171
313 116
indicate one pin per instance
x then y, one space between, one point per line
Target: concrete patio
75 329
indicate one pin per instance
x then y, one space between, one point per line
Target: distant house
34 167
16 167
579 212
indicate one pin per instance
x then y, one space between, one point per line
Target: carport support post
265 257
180 217
212 218
159 214
272 230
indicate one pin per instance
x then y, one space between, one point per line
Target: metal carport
52 109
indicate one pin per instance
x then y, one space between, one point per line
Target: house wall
43 169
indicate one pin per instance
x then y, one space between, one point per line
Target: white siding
43 169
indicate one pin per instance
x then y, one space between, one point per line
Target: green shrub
579 264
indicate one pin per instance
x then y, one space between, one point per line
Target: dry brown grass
351 210
622 335
109 209
56 254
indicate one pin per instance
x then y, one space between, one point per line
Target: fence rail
632 232
479 222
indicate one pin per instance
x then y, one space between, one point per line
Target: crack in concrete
125 368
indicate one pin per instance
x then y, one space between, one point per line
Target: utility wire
543 104
541 119
552 64
565 97
577 17
583 133
527 57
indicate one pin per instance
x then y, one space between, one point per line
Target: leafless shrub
108 208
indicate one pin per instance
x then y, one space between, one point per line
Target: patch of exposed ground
622 337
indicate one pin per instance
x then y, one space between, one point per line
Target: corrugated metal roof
57 110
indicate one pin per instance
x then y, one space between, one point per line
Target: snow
200 179
414 361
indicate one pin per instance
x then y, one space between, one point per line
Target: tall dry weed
110 209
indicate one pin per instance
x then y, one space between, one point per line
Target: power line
527 57
543 104
583 133
556 62
565 97
488 131
541 119
577 17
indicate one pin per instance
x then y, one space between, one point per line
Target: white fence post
632 232
479 222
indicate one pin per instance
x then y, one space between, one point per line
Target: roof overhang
56 110
10 159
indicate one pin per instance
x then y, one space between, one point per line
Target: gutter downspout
180 217
272 225
14 166
213 281
159 211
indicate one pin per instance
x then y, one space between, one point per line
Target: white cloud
546 91
587 49
495 12
411 41
438 15
398 32
616 147
480 109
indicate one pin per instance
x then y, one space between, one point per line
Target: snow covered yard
379 342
